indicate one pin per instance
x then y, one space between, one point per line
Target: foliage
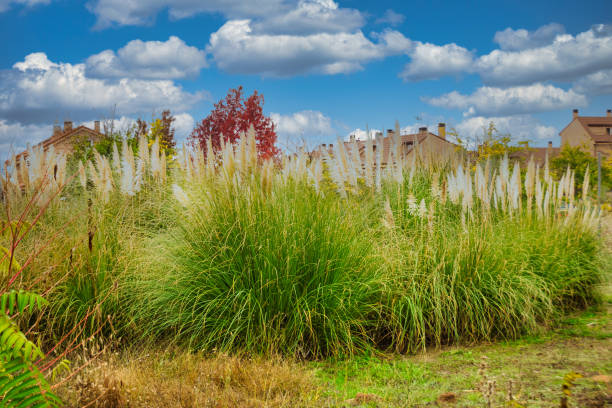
160 128
495 145
233 116
579 160
21 382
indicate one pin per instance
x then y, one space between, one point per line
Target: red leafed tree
233 116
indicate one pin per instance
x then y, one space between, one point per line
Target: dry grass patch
169 379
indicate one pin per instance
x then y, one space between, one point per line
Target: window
608 131
407 144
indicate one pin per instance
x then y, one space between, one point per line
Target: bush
287 272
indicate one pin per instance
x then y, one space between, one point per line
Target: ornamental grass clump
259 262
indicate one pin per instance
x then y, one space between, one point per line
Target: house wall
576 136
435 149
605 149
66 145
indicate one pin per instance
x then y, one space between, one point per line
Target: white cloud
361 134
273 16
15 136
599 83
521 39
391 17
301 128
237 49
567 58
6 4
183 125
270 37
40 91
148 60
520 127
311 16
430 61
516 100
140 12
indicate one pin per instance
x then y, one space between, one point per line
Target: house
538 154
592 133
429 145
64 140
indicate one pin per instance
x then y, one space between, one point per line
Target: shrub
286 272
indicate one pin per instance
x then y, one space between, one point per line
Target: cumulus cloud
311 16
37 90
183 125
599 83
391 17
567 58
525 57
520 127
237 49
515 100
273 16
140 12
6 4
430 61
14 137
306 127
521 39
148 59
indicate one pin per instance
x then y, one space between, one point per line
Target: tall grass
284 271
319 256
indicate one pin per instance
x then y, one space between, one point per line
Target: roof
538 154
60 137
596 121
589 122
407 142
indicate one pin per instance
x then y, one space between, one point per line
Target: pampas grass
316 255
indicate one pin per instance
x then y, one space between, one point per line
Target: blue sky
326 68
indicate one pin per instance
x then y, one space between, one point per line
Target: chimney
97 126
390 132
331 145
67 126
549 150
442 130
609 113
575 113
423 130
57 129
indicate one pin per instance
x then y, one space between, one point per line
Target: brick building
64 140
